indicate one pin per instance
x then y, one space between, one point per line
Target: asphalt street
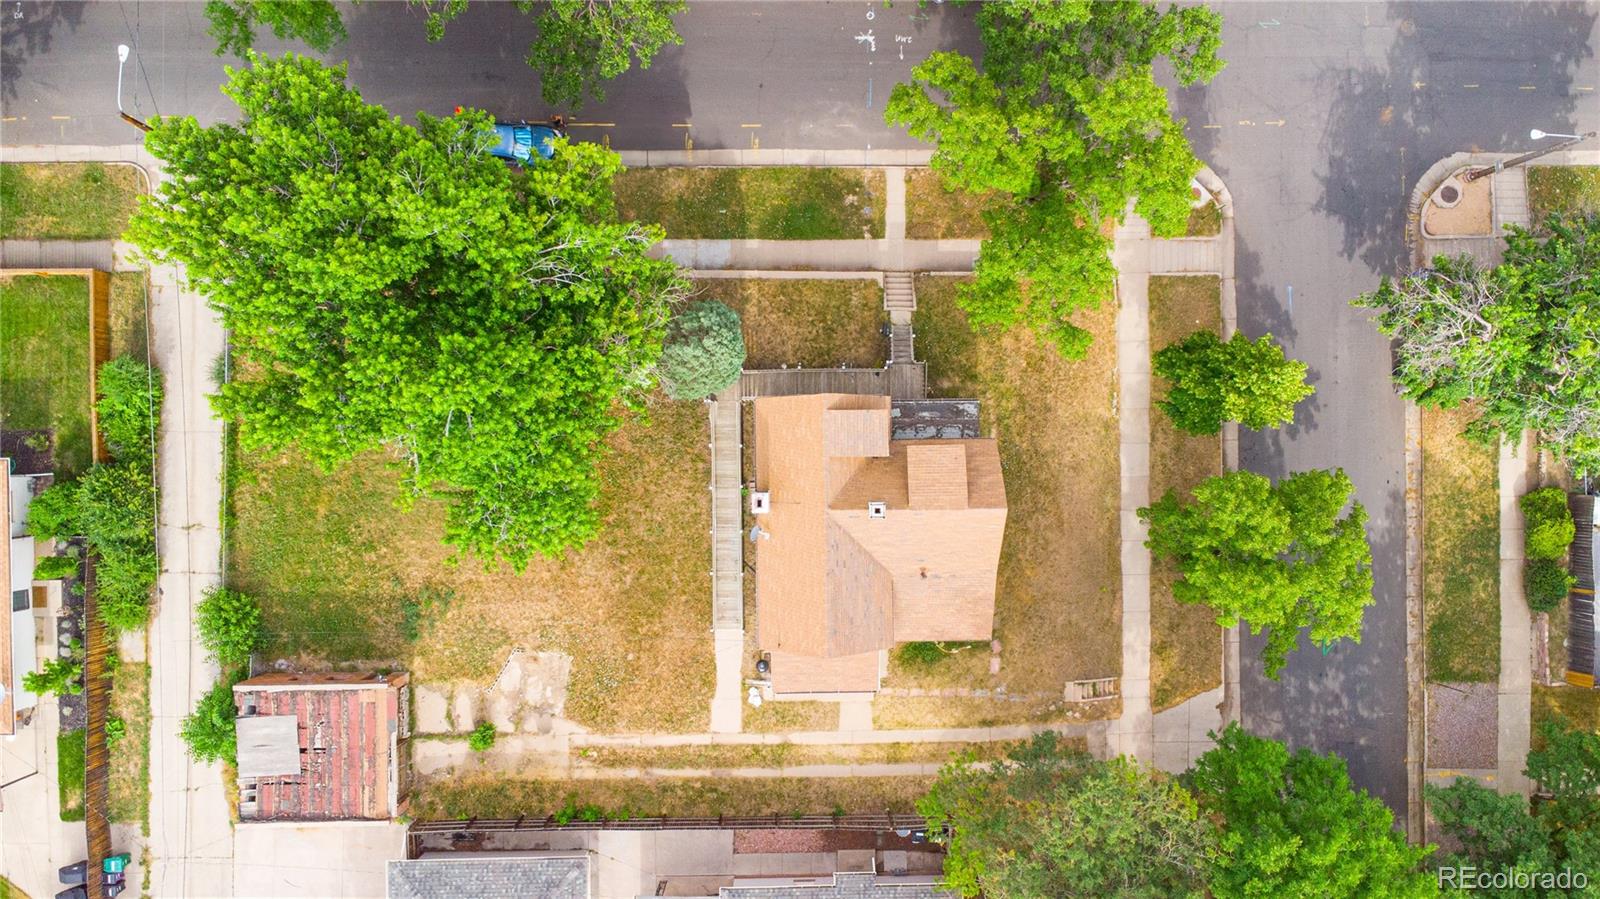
1324 118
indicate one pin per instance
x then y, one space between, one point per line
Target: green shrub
209 730
482 737
124 578
116 729
53 514
230 625
1549 523
116 504
129 403
1546 584
52 568
919 654
704 351
61 676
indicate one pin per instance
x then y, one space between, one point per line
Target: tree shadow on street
26 30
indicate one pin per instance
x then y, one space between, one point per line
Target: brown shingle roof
831 579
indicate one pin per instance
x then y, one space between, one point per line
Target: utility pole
1515 161
122 58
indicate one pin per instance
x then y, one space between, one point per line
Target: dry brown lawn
1059 604
128 317
786 717
1579 705
935 212
808 322
765 202
490 796
783 755
335 564
1185 641
1460 550
918 712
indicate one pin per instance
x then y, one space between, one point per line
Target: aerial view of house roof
867 541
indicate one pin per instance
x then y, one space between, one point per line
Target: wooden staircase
900 300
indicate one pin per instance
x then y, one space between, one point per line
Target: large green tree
1067 123
582 44
1561 830
1049 820
1522 340
1277 557
704 351
1293 827
390 286
1242 380
233 23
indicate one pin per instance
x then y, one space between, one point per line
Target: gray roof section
490 878
844 886
269 745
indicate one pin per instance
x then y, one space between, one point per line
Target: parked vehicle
520 142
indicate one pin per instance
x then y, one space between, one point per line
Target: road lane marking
680 124
749 126
1276 123
1210 126
1469 86
1583 88
1528 87
1418 85
61 118
1246 122
591 124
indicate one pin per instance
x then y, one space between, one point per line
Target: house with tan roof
863 541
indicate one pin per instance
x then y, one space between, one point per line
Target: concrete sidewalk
824 255
191 834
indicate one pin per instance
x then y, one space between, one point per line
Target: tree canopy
582 43
1293 826
1052 821
1067 123
233 23
704 351
1278 557
1498 832
1522 339
1242 380
396 287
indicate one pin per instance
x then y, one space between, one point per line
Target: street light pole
1515 161
122 58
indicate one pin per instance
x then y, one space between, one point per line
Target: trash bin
75 873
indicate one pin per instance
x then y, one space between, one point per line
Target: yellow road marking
591 124
1277 123
1418 85
1528 87
1469 85
749 126
1583 88
61 118
1246 122
1210 126
8 118
680 124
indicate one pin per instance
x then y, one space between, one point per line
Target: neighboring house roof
843 886
565 877
318 746
837 579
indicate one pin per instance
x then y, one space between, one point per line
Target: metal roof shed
269 745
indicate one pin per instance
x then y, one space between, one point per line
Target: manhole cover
1449 193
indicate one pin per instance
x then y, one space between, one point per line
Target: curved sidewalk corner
1174 738
191 833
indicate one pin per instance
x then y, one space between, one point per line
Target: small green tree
582 43
704 351
233 23
1243 380
482 737
230 625
1067 122
1279 558
1294 826
1049 820
52 568
1546 584
209 729
1549 528
62 676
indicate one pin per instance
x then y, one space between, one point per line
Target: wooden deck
902 380
727 550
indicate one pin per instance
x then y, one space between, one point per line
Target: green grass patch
1185 641
769 203
1579 705
1460 550
1058 603
44 383
343 574
818 323
66 201
1562 188
71 746
130 755
493 796
1205 221
937 212
128 315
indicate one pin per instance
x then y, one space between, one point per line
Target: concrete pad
499 708
694 852
432 709
855 715
465 709
338 859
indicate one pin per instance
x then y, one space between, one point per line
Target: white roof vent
877 509
760 502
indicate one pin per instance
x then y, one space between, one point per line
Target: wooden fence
97 702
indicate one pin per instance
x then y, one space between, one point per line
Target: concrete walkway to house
1174 738
727 560
1515 688
191 834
